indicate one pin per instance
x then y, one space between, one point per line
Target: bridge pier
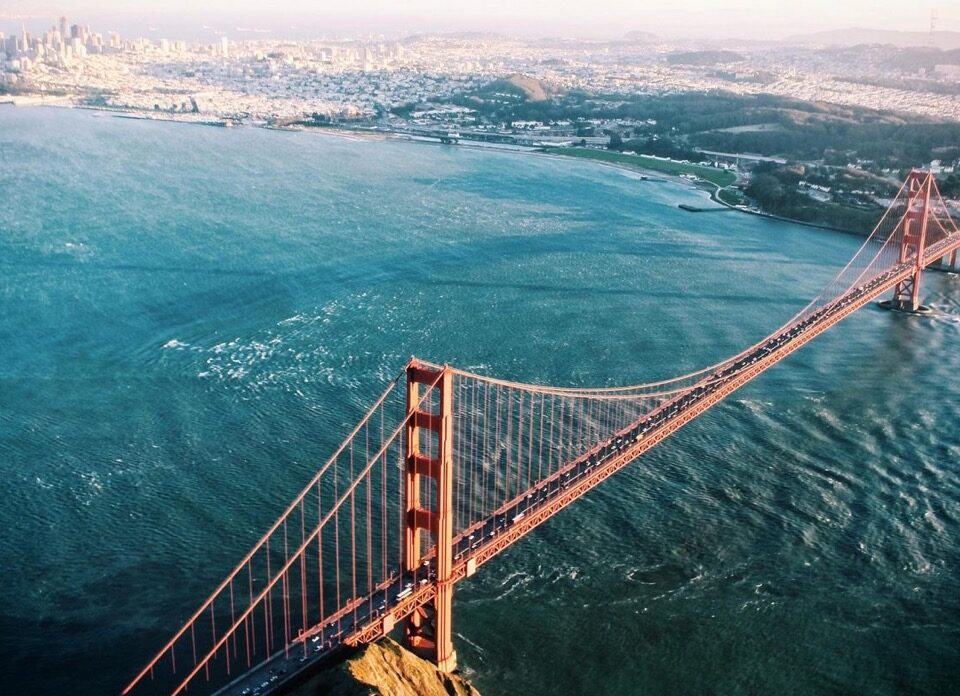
429 461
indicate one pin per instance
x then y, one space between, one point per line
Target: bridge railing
338 548
879 252
511 436
340 539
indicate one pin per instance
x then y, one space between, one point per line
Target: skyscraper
224 47
63 28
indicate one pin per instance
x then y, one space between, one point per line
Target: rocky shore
384 669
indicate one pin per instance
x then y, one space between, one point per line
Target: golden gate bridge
449 468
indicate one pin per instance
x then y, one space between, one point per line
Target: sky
749 19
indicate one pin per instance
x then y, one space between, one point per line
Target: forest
726 122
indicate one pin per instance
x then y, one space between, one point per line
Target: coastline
779 218
356 134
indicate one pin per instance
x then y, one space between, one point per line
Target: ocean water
192 317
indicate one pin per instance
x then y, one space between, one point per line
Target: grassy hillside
720 177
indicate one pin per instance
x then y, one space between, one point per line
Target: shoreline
359 135
714 196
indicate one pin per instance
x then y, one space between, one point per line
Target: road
404 593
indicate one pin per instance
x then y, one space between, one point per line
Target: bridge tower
429 463
906 295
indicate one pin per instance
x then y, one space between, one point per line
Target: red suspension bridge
449 468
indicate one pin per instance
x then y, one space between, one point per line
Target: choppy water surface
192 317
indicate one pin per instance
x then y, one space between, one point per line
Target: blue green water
192 317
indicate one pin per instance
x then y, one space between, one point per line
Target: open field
720 177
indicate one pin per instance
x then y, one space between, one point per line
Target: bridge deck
372 616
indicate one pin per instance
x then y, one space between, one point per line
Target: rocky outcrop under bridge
384 669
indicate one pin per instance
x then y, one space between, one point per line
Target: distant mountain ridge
945 40
907 60
641 37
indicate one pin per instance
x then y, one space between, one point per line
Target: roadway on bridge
404 593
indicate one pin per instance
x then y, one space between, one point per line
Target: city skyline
241 75
694 19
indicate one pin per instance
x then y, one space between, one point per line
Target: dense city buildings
275 79
810 115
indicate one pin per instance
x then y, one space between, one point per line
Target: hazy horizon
607 19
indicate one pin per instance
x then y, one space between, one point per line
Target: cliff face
385 669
